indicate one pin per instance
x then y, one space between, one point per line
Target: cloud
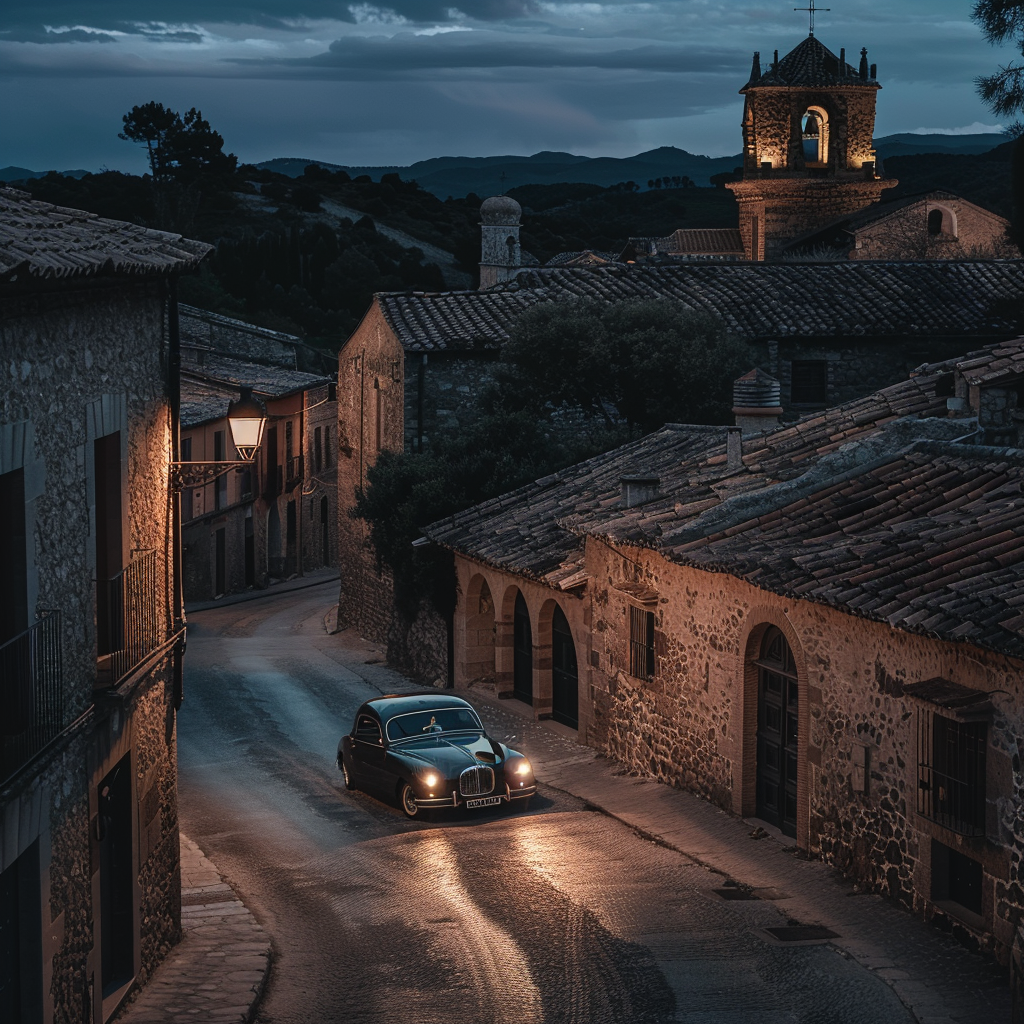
408 53
45 34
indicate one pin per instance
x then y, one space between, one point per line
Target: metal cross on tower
811 10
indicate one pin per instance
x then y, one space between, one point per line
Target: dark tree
1002 21
151 125
182 148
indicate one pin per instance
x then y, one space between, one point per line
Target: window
956 878
327 447
368 729
317 449
809 382
641 643
951 772
220 454
186 495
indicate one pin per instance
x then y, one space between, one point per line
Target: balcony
127 619
31 693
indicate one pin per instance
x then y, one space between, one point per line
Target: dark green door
777 701
564 673
522 652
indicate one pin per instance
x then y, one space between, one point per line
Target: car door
368 752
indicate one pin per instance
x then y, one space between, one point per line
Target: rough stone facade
81 362
371 400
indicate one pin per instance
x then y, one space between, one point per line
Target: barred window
951 772
641 643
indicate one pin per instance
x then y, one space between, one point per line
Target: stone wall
694 725
78 363
371 399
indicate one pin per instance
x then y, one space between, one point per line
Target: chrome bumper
454 800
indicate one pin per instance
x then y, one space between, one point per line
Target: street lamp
247 418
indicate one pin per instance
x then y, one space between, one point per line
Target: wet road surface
556 915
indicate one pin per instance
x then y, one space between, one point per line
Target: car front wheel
407 798
346 775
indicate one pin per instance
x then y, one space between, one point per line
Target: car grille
476 781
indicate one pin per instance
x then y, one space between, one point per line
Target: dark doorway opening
221 564
522 652
777 701
114 835
250 553
564 673
21 941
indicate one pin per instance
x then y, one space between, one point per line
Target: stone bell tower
500 255
808 124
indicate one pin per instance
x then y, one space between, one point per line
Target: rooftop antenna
811 10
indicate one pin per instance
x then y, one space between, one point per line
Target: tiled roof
810 63
207 388
754 300
40 241
868 507
703 241
580 258
930 541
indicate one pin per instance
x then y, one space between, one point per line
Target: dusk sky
361 83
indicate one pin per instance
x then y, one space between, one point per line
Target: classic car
430 750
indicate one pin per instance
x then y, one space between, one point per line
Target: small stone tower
500 256
808 160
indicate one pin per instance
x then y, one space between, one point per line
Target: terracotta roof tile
40 241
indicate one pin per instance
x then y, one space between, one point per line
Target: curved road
558 915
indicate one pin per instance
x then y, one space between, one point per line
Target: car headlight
524 768
431 779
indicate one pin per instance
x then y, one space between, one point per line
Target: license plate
484 801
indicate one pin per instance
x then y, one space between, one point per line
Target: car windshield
426 723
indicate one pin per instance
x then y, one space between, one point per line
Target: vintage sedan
430 750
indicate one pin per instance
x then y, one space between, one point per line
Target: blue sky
367 83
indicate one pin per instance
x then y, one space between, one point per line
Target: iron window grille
31 693
951 772
641 643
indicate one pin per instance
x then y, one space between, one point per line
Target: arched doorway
777 703
522 652
564 672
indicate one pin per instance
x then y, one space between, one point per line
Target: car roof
392 704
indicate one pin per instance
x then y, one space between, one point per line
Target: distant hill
24 174
907 144
488 175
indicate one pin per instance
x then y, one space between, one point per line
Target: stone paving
218 970
938 980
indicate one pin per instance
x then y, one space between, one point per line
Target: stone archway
565 686
522 651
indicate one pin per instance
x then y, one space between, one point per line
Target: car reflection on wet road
482 917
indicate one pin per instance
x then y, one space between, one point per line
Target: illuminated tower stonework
808 160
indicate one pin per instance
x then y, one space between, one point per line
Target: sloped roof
207 388
44 242
754 300
703 241
932 541
869 507
813 64
582 258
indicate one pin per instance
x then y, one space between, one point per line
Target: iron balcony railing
31 693
127 618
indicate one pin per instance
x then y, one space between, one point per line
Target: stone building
818 626
828 333
91 635
935 226
274 518
808 125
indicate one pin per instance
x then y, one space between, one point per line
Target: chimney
638 490
734 449
756 401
